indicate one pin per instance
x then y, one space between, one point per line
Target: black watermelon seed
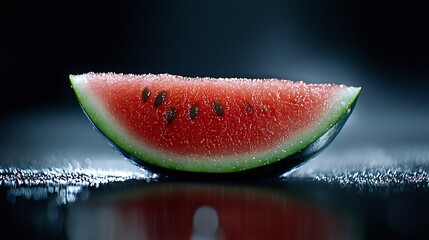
170 114
146 94
193 112
218 108
249 107
159 98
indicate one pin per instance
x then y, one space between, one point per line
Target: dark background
381 46
360 43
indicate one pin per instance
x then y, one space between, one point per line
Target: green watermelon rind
221 164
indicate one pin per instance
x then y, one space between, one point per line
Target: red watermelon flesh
210 124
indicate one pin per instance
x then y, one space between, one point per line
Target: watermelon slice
174 125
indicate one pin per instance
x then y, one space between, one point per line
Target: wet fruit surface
210 124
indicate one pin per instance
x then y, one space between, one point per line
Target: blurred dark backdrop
381 46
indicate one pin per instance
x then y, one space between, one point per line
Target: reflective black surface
83 189
287 209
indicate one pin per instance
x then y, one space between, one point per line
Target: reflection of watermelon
205 211
242 213
211 125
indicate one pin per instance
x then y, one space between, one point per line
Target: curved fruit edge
112 131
